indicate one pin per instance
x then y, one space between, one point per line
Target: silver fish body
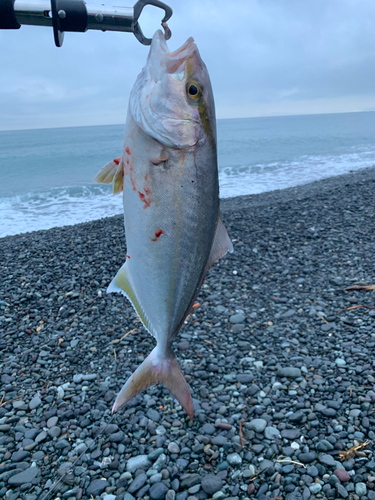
168 173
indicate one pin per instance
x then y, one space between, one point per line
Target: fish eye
193 90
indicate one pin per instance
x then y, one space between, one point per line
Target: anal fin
121 283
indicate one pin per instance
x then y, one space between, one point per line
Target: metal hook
138 7
76 15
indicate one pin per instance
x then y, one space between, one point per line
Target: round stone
234 459
257 424
173 448
52 421
271 433
158 491
340 362
342 475
35 402
139 462
54 431
289 372
211 484
237 318
307 457
361 489
97 486
327 460
315 488
208 429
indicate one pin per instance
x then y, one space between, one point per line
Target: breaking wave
57 207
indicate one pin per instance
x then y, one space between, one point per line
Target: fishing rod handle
76 15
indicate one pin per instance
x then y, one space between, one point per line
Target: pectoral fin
164 155
221 244
112 172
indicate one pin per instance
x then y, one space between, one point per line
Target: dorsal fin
221 244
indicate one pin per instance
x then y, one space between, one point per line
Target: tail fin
157 369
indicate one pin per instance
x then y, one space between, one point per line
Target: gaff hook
77 16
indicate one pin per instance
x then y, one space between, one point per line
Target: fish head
172 99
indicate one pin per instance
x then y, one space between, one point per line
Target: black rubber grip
8 19
76 15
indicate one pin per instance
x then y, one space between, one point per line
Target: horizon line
217 119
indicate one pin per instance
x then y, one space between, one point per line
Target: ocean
46 174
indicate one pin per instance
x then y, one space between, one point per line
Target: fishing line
96 438
54 486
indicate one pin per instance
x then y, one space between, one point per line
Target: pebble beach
279 353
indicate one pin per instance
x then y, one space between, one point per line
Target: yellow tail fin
157 369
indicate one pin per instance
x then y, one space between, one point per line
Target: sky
265 58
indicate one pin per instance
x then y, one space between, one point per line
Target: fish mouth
174 60
185 50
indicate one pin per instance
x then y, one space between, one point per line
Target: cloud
265 57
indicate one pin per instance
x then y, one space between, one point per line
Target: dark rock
158 491
137 484
26 476
342 475
211 484
307 458
290 434
189 480
97 486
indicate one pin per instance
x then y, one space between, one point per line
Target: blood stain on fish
145 200
128 256
158 233
127 161
117 161
128 150
132 180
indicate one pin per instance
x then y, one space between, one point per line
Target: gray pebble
138 462
327 460
237 318
211 484
289 371
26 476
271 433
52 421
158 491
361 489
234 459
97 486
257 424
54 431
137 484
35 402
173 448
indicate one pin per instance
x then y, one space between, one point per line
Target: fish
168 174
